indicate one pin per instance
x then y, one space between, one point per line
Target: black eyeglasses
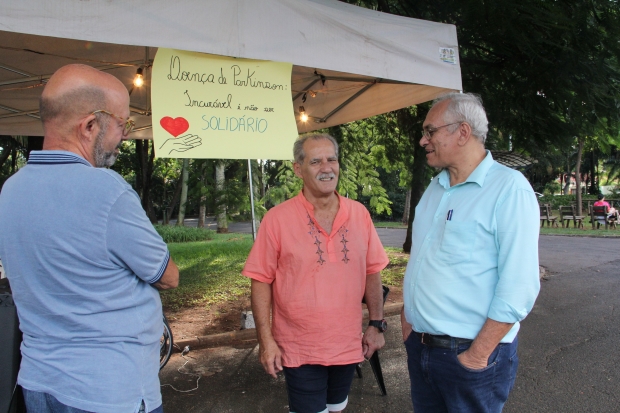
428 133
128 124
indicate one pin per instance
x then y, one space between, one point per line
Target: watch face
383 325
380 324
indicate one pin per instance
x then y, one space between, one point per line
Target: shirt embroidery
314 232
343 240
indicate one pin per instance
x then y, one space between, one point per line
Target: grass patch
172 233
586 232
389 224
393 274
210 271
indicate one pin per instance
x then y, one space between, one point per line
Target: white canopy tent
349 63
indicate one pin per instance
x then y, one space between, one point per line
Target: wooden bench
569 213
600 215
545 215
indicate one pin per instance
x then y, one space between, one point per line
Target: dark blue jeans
38 402
441 384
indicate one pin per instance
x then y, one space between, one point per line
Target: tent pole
252 199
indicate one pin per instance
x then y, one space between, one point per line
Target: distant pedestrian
473 270
316 256
611 211
82 258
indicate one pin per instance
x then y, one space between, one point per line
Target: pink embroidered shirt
318 279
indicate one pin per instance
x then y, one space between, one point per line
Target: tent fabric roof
513 160
393 61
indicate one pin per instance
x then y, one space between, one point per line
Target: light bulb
302 114
138 81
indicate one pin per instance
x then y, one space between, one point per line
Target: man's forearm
488 338
373 296
373 339
170 278
269 352
406 327
261 309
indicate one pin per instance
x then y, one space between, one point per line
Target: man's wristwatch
380 324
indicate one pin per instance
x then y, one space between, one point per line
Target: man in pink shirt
315 257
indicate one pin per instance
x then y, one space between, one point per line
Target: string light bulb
138 81
303 116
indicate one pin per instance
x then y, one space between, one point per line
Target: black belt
440 341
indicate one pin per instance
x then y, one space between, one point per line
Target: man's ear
464 133
297 169
88 128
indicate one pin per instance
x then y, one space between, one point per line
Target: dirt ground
222 318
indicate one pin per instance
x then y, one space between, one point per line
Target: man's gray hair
466 107
298 147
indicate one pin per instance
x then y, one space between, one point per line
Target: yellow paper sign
207 106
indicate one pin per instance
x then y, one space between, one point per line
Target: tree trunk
256 186
183 203
580 142
220 179
175 199
144 176
405 219
568 177
593 180
202 213
262 179
13 160
418 185
147 202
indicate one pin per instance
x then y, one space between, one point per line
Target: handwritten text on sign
207 106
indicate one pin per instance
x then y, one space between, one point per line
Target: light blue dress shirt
474 253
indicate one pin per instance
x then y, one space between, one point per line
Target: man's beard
103 158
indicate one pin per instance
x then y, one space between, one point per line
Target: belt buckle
425 339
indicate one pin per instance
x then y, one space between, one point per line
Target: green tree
546 70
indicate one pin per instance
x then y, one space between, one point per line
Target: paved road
390 237
568 349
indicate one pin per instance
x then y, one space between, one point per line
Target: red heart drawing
175 126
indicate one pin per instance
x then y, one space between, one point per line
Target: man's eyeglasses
128 124
428 133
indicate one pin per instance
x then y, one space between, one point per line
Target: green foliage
285 185
551 188
183 234
556 200
210 272
12 155
547 71
393 274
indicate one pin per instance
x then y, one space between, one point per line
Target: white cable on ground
183 353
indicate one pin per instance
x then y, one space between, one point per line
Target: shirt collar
478 175
55 158
341 216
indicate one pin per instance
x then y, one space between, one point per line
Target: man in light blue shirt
83 260
473 271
